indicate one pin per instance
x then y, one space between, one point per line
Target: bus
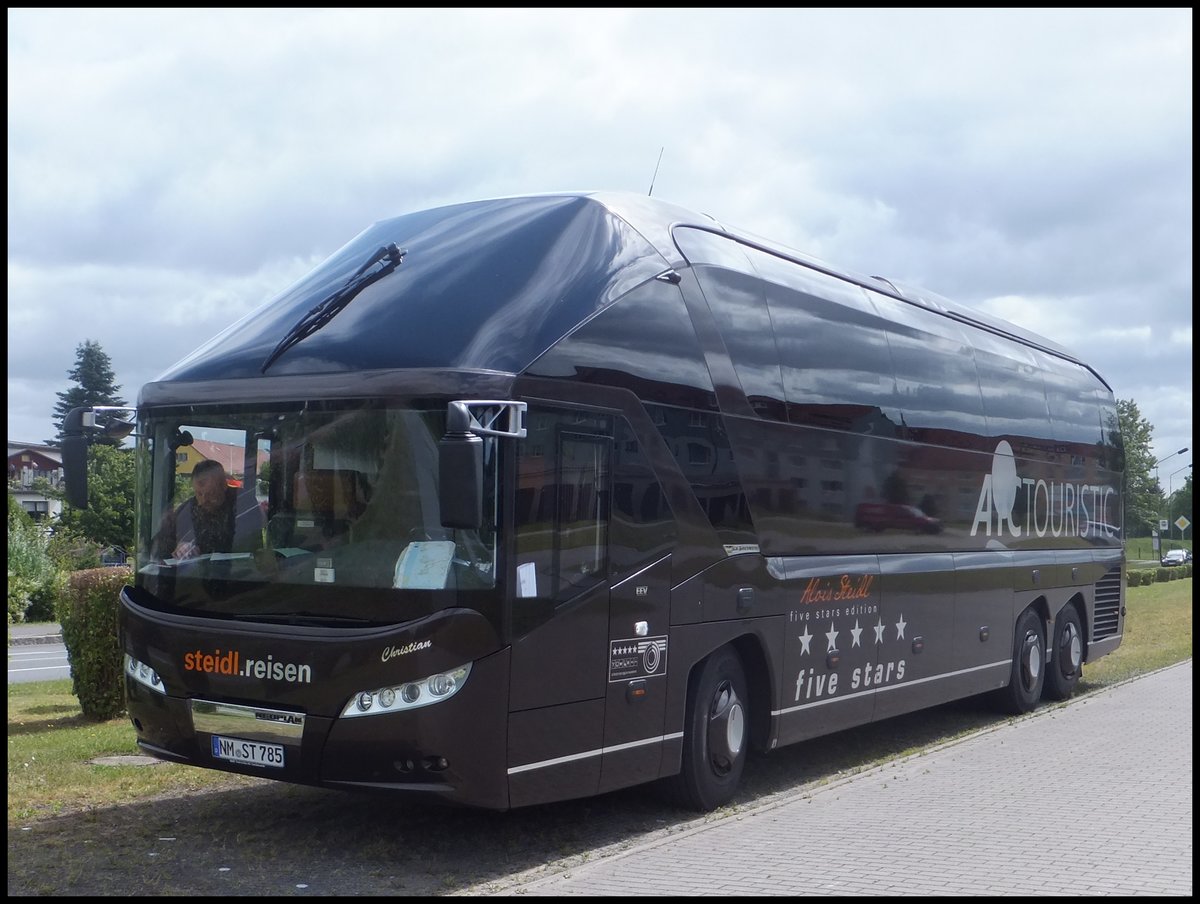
571 492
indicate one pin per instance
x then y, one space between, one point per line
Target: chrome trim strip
255 723
574 757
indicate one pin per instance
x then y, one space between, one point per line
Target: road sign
1182 523
1164 524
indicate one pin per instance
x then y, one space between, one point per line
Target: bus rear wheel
1066 655
716 734
1024 688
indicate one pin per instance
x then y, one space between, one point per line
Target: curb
34 640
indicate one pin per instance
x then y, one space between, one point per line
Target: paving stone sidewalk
1092 797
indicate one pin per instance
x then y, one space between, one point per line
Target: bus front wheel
716 734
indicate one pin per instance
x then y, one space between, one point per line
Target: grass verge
55 758
1142 548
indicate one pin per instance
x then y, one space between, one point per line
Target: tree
94 374
108 519
30 570
1142 494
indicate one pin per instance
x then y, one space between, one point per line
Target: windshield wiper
332 306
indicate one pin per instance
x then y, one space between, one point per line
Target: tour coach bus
559 494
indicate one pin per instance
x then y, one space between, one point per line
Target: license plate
250 753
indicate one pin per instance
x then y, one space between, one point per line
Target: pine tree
94 374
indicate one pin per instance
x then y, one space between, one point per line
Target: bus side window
562 509
642 527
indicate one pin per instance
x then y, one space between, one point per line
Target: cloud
171 169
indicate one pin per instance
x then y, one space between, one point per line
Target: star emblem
805 640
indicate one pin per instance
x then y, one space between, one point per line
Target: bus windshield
309 511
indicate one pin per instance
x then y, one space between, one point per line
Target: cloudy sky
170 170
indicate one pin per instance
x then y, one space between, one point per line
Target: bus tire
1028 674
716 734
1066 656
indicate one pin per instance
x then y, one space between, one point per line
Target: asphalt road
36 653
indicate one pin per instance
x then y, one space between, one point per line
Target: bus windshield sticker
526 579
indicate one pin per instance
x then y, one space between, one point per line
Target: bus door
638 610
560 609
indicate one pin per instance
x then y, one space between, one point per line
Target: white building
26 463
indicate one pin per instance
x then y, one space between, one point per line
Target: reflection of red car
879 516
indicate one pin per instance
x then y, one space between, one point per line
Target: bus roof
487 286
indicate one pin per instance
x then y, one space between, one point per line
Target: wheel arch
1041 606
759 685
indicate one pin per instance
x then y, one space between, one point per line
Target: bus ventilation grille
1108 605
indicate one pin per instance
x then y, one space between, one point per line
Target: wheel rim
1070 650
1031 660
726 729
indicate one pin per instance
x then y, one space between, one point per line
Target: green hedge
87 612
1139 577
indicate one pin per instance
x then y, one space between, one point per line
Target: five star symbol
805 640
856 635
832 634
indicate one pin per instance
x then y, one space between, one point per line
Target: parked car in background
1175 557
879 516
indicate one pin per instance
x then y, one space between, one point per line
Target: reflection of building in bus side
826 476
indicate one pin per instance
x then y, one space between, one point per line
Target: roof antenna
655 176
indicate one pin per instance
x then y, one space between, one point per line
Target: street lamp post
1158 486
1161 460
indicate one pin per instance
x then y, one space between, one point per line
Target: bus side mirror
74 454
460 480
460 455
74 459
80 429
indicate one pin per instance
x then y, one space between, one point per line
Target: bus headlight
409 695
143 674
